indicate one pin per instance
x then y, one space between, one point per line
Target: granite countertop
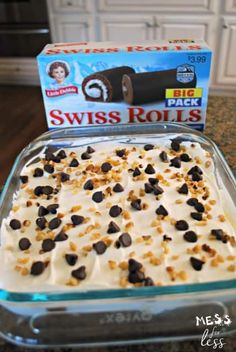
221 127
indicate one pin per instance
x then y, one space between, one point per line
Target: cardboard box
112 83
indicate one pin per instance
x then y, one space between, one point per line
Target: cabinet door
180 6
126 28
226 67
171 27
71 28
68 6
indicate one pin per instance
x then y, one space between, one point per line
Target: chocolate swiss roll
105 86
139 88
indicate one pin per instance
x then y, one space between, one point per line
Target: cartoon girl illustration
58 70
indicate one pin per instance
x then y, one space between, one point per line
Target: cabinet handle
225 25
156 24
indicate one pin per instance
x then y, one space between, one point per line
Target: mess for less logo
181 97
214 327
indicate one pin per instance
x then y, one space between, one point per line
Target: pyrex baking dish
114 316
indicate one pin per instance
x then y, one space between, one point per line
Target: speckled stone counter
221 127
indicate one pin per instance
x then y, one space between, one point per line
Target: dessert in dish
118 214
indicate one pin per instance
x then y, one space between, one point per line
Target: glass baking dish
114 316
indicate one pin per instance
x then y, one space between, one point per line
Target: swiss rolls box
114 83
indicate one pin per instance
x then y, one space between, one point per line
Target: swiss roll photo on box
114 83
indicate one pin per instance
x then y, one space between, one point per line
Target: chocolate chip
85 156
38 190
185 157
42 211
98 197
71 259
136 172
48 245
15 224
80 273
24 243
196 263
88 185
49 168
77 219
113 227
61 154
52 208
105 167
118 188
161 211
90 150
54 223
148 188
64 177
37 268
134 265
157 190
135 277
196 216
195 169
47 190
196 177
163 156
181 225
61 236
100 247
153 181
41 223
49 156
117 244
136 204
183 189
148 282
115 211
125 240
149 169
190 236
175 145
219 235
175 162
38 172
120 152
167 238
148 147
24 179
192 201
199 207
74 163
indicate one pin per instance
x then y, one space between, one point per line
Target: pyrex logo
126 317
214 326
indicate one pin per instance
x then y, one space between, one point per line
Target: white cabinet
72 28
226 73
64 6
123 28
157 5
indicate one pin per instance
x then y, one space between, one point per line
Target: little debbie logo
214 326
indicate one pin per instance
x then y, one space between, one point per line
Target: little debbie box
111 83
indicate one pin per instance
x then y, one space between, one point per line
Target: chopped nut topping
112 264
123 265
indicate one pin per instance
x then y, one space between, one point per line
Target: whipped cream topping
139 232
